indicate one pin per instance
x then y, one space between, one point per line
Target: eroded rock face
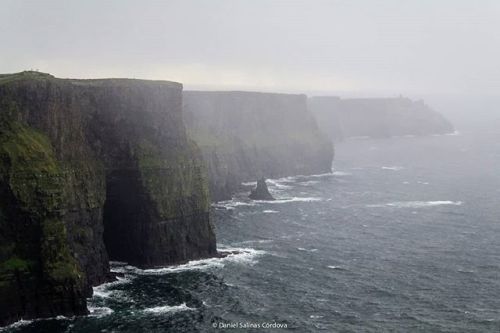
247 135
261 192
376 117
87 160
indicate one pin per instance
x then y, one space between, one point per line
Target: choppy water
404 236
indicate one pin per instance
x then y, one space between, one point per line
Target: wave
270 211
168 308
17 324
341 173
277 184
260 241
336 267
417 204
309 182
236 255
232 204
315 316
307 250
292 199
102 290
24 322
392 168
100 311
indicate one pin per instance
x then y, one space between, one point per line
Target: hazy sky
387 46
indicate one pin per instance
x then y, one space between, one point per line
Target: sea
402 236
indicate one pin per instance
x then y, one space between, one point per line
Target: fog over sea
402 236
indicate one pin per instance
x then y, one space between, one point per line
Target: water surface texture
403 236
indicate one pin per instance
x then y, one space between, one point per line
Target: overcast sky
386 46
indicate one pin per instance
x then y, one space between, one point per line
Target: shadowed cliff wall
248 135
73 155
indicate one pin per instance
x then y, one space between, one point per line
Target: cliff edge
376 117
91 170
249 135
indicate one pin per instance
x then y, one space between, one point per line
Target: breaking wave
100 311
417 204
168 308
236 255
392 168
293 199
341 173
17 324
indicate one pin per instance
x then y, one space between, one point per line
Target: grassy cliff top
39 76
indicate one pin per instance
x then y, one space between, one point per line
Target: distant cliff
376 117
91 169
245 136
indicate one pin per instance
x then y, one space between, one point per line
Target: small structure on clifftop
261 192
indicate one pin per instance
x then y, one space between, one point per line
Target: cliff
376 117
248 135
91 169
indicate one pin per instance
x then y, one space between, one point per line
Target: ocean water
402 236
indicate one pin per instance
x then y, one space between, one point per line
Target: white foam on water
260 241
232 204
417 204
392 168
101 292
17 324
270 211
292 199
309 182
249 183
321 175
23 322
100 311
306 250
341 173
334 267
315 316
245 256
277 184
168 309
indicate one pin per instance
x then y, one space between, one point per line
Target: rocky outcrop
261 192
376 117
248 135
82 161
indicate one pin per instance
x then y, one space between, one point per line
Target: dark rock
244 135
82 161
261 192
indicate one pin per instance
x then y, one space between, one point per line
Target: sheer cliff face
245 136
376 117
87 160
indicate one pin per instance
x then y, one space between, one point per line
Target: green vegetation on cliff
174 179
30 173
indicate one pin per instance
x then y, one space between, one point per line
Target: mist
249 165
352 48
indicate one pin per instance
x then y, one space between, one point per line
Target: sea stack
261 192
